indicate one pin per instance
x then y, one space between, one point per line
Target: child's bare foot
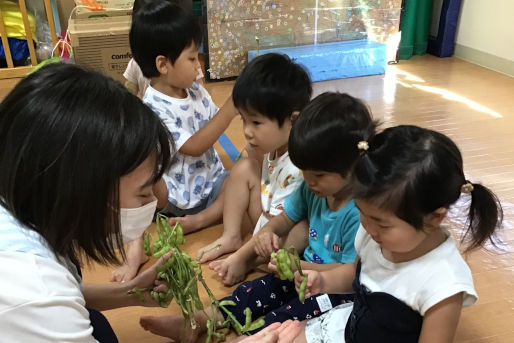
189 224
230 270
135 258
221 246
169 326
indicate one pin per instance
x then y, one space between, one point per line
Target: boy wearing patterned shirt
164 39
269 93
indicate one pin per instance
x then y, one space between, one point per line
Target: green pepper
248 318
284 265
181 273
301 291
138 293
180 234
210 329
256 324
227 302
297 262
146 244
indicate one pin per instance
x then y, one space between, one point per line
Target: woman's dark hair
161 28
326 134
137 5
412 171
67 136
273 86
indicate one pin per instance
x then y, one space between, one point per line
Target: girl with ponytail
409 279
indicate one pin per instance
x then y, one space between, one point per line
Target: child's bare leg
241 197
135 258
210 216
173 326
234 268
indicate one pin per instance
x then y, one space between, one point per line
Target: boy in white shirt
269 93
164 39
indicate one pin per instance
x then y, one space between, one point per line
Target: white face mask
134 221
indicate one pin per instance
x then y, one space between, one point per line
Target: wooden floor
472 105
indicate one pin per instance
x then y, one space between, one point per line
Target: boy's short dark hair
274 86
161 28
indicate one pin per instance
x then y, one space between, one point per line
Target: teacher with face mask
78 157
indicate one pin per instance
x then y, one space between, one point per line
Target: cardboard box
65 7
113 8
102 44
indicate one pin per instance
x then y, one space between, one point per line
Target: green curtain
415 24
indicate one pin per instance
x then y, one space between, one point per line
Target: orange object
93 5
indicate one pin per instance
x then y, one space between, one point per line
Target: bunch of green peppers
285 271
182 274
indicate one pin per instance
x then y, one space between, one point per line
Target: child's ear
294 116
161 64
435 218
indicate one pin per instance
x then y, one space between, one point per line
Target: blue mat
229 147
336 60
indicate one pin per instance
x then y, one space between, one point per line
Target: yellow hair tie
363 145
467 188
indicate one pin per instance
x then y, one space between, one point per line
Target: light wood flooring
472 105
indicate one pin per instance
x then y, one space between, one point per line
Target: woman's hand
103 297
284 332
315 282
147 280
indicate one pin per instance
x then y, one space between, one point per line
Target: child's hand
315 282
272 265
229 107
265 243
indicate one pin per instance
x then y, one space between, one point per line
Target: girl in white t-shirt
410 281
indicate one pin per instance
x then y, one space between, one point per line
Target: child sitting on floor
410 281
269 93
323 143
164 39
135 81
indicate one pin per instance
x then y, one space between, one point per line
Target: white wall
487 26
